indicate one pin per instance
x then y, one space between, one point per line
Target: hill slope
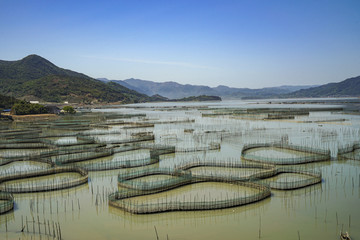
34 77
175 90
33 67
347 88
7 102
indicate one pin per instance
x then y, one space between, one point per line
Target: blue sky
235 43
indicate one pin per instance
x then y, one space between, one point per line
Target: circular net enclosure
283 154
6 202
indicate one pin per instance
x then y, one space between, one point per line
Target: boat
345 236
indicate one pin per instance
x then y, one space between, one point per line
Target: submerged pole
157 236
260 227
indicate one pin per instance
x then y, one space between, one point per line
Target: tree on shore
69 109
25 108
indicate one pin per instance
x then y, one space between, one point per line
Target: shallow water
221 171
197 192
316 212
152 178
288 177
42 181
22 166
273 152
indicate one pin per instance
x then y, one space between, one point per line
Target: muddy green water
277 153
22 167
316 212
207 191
221 171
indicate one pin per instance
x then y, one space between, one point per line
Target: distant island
201 98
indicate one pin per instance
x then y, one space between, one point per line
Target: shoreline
33 117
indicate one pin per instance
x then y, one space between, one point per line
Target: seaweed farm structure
243 165
7 202
309 154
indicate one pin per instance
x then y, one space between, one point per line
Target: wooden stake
349 220
59 230
157 236
260 227
39 225
337 223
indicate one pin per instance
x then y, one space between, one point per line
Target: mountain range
35 78
173 90
346 88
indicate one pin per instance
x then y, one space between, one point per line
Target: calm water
316 212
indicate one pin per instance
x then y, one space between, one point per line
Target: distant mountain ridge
347 88
35 78
174 90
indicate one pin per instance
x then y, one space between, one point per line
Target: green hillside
33 67
35 78
7 102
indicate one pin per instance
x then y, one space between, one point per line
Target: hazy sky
236 43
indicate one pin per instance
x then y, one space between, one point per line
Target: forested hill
347 88
35 78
